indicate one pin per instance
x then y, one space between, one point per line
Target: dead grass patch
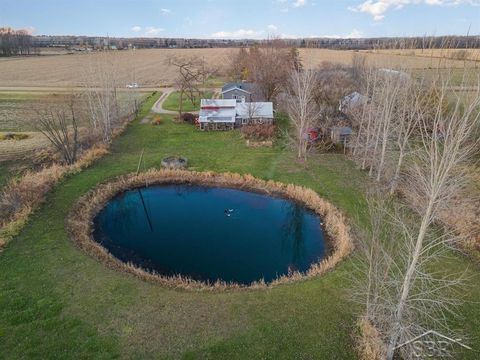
21 196
368 341
80 224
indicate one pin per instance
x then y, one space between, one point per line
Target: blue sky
243 18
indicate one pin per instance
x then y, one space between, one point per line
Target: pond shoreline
80 222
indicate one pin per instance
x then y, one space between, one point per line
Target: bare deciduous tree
15 42
192 73
302 109
404 297
59 125
387 247
409 111
268 66
101 86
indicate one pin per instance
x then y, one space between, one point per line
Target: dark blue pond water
210 233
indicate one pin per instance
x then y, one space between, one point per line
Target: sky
254 19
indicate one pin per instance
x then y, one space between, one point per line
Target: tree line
416 135
15 42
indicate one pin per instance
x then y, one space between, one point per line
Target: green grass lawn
58 302
11 169
172 103
5 173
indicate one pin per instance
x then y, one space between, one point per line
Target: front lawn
58 302
172 103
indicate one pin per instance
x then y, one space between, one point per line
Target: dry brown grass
23 195
67 70
368 342
453 54
315 57
79 222
17 149
463 215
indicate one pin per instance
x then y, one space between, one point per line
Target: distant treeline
15 42
21 42
427 42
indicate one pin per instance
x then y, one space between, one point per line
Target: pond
210 233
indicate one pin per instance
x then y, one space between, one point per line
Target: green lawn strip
57 301
172 102
5 173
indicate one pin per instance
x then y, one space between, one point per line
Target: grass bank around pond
58 302
172 102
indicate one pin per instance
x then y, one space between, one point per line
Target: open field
151 70
20 149
19 109
18 113
58 302
454 54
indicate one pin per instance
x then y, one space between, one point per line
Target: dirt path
158 106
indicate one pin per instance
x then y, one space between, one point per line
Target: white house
217 114
254 113
226 114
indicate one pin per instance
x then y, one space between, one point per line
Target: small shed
352 101
339 134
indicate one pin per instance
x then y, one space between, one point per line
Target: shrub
189 118
157 120
368 342
258 132
22 195
13 136
460 55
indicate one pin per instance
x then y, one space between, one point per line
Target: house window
244 121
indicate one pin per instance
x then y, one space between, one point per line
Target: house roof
226 110
217 110
222 103
352 100
342 130
255 109
242 86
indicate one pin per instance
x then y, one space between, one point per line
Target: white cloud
238 34
136 29
30 30
299 3
378 8
355 34
272 27
165 11
152 31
